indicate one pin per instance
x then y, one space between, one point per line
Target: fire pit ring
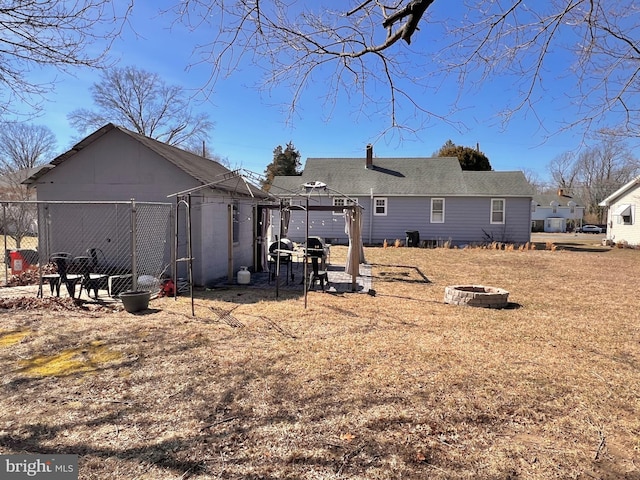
476 296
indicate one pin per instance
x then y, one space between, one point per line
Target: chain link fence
95 249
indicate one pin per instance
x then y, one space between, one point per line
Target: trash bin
21 259
413 238
18 263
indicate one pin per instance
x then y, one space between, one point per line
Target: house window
379 206
625 213
341 202
437 210
236 223
497 210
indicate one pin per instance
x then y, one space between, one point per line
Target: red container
18 263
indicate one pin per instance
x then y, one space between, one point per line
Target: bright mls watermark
49 467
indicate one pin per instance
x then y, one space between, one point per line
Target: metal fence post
134 246
6 254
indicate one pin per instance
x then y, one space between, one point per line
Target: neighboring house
556 212
622 224
14 180
431 196
115 164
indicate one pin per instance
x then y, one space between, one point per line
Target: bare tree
533 178
299 43
54 33
595 172
143 102
204 151
355 50
602 169
564 171
596 40
24 146
18 217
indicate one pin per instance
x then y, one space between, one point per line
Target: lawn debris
28 277
56 304
34 303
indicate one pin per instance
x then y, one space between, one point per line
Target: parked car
591 229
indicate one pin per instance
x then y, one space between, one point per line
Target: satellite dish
315 184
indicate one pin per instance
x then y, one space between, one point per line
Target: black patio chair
62 261
282 250
317 252
92 276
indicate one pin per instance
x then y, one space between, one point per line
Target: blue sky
249 124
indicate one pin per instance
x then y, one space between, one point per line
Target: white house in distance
622 226
555 212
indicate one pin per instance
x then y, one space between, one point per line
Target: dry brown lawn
396 385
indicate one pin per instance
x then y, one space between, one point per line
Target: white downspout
371 218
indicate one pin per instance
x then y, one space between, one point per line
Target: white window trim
345 202
492 211
375 204
622 218
431 220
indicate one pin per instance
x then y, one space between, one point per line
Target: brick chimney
369 156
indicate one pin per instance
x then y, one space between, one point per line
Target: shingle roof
202 169
625 189
16 178
403 176
545 200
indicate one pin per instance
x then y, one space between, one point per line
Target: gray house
622 224
115 164
432 198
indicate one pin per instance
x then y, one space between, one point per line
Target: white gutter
371 217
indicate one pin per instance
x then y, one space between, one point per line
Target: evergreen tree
285 162
470 158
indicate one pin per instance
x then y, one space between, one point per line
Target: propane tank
244 276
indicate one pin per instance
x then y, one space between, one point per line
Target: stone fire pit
476 296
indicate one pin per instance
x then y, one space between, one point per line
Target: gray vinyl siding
118 167
114 167
467 220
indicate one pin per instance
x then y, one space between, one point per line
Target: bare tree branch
24 146
54 33
299 43
143 102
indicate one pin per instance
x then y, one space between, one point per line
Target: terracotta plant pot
135 301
